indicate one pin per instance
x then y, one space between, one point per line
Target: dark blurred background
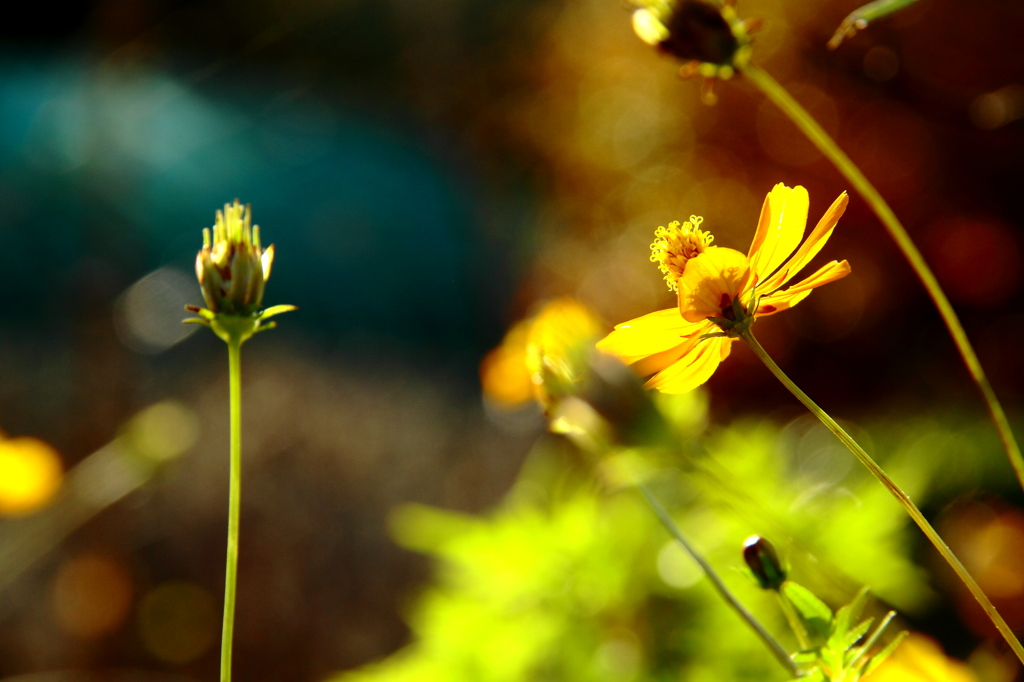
428 169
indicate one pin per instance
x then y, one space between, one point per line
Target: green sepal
196 320
202 312
276 310
840 638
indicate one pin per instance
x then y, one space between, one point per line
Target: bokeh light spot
881 64
995 109
91 596
177 622
148 315
30 475
164 431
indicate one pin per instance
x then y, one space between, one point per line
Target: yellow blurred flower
721 291
30 475
919 659
542 357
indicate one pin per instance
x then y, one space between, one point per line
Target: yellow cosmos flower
721 292
542 357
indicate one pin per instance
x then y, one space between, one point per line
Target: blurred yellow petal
810 248
503 372
30 475
653 333
711 282
659 361
779 230
919 659
694 368
788 298
541 356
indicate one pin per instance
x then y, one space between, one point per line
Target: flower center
675 245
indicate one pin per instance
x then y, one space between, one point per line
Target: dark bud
762 559
698 31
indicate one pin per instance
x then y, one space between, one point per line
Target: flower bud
762 559
231 267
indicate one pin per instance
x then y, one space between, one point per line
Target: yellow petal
810 248
503 372
659 361
711 281
781 300
653 333
779 230
694 368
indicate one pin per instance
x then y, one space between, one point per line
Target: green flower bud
762 559
232 269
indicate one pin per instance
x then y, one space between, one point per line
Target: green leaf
815 614
851 612
885 653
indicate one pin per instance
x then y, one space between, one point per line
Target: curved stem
723 591
901 497
827 146
235 491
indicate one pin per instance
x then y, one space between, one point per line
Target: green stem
231 572
827 146
723 591
795 624
901 497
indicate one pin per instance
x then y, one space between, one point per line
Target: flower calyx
736 319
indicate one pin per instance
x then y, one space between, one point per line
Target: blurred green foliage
571 578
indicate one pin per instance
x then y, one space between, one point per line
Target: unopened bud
233 270
231 267
763 560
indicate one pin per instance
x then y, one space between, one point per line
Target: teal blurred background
427 170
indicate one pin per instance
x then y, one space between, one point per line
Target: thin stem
901 497
794 621
827 146
723 591
231 572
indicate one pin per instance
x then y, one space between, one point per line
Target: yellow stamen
675 245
